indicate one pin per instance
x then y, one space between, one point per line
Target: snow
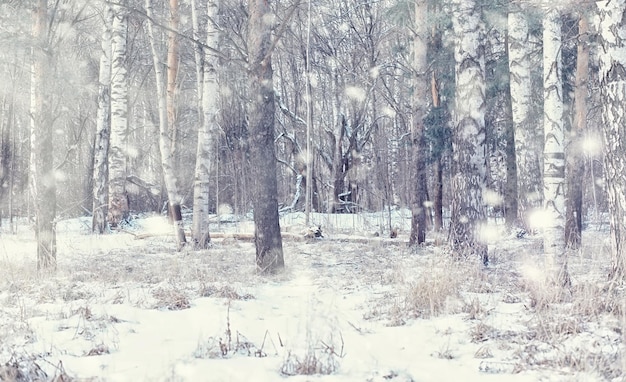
123 308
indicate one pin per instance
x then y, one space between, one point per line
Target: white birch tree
103 129
165 138
468 140
554 149
118 199
527 136
612 75
208 134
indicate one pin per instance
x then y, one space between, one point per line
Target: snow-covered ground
351 306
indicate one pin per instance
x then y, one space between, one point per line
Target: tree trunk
468 142
554 155
437 194
165 140
103 130
339 126
510 192
172 76
269 247
208 136
118 199
612 75
420 108
43 184
575 161
527 138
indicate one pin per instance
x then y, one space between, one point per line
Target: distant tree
554 148
43 183
468 139
118 198
103 129
420 110
267 238
612 32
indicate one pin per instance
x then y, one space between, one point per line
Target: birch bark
554 149
118 199
165 140
612 75
468 141
103 130
208 135
527 139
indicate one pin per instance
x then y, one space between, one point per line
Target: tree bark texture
165 140
43 183
575 160
468 141
208 136
420 108
527 137
172 71
554 149
118 199
612 75
103 130
511 204
268 241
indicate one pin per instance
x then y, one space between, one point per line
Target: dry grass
226 346
320 357
225 291
320 360
26 368
170 297
436 290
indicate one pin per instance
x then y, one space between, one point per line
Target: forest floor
349 307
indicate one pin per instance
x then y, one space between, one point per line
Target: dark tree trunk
510 190
438 194
420 107
575 163
267 238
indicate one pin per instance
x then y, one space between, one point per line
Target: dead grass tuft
429 295
481 332
225 291
170 298
593 299
483 352
99 349
320 360
473 308
543 293
227 346
26 368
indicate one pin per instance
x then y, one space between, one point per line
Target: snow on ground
352 306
